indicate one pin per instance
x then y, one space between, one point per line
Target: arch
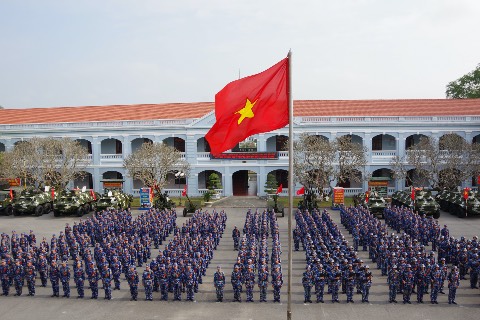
277 143
203 182
244 183
176 142
2 147
451 141
352 183
414 179
203 145
448 176
385 173
281 176
137 184
112 175
355 138
476 139
384 142
86 180
111 146
138 142
86 144
413 140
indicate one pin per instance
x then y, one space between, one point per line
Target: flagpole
290 185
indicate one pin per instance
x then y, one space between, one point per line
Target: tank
454 203
376 203
33 201
113 199
77 202
6 203
424 202
162 201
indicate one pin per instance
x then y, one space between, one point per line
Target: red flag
93 195
301 191
367 196
184 191
53 193
251 105
11 194
412 195
280 188
465 193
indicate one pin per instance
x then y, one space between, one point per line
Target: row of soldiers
403 259
330 259
252 265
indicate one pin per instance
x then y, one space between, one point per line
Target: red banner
338 196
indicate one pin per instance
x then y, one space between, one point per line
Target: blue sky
73 53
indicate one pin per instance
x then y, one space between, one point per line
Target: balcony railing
111 157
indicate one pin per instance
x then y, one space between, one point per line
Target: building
386 127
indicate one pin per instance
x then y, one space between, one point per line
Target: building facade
110 133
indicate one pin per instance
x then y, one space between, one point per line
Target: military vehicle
6 203
375 204
424 202
309 201
190 206
273 205
162 201
78 202
454 203
33 201
115 199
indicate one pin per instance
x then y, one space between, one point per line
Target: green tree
214 182
271 184
466 87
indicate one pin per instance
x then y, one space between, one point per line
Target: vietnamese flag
53 193
93 195
280 188
412 195
11 194
465 193
184 191
251 105
367 196
301 191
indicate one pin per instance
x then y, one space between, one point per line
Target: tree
46 161
351 159
444 162
271 185
214 182
152 162
466 87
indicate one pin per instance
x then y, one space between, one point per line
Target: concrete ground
42 306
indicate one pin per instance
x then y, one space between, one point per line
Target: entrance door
240 183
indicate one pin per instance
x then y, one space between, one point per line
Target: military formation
331 261
404 258
255 265
120 245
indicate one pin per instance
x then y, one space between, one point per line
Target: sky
57 53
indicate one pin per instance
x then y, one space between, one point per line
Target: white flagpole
290 185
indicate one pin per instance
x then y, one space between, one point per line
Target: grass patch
323 204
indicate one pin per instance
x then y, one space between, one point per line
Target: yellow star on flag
246 112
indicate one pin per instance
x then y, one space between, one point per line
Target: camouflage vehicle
376 204
6 204
424 202
115 199
454 203
273 205
190 206
78 202
33 201
162 201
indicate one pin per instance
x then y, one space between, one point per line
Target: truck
78 202
113 199
33 201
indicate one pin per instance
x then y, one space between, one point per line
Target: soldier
54 274
236 238
249 279
350 283
30 275
277 282
366 280
307 282
219 283
393 278
43 269
263 283
237 280
296 238
64 270
132 278
147 281
320 277
189 282
79 278
163 281
5 278
116 268
176 281
408 282
18 277
334 282
93 277
453 284
436 281
420 280
107 281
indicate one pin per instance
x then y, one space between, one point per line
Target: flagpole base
289 315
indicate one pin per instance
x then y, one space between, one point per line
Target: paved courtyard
43 307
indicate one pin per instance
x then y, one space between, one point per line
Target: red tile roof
408 107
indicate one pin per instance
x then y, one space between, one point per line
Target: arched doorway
244 183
